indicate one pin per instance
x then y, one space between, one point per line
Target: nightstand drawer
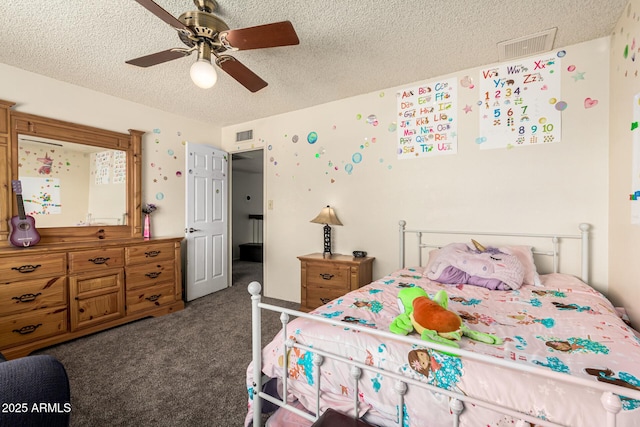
321 296
328 276
324 279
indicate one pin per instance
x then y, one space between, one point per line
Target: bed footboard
610 393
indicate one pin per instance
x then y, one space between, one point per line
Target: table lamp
328 217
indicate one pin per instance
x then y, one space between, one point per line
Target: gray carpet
183 369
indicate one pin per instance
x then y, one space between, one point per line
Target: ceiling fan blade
241 73
159 57
262 36
153 7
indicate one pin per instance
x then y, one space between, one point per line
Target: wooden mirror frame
13 123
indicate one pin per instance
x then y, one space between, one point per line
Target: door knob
191 230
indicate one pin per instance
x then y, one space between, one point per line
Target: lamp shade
327 216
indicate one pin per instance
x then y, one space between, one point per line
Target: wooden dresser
325 279
54 293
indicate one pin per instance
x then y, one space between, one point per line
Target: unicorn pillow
457 263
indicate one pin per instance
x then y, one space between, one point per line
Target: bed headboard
538 241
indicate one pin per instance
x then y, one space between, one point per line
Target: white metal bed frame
609 393
554 252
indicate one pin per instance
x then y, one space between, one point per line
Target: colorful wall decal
467 82
427 120
312 137
518 103
41 196
590 103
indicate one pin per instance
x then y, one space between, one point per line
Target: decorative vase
147 227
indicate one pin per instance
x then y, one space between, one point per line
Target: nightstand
325 279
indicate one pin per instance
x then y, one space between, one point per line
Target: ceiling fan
203 32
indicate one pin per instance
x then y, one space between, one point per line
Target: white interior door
206 222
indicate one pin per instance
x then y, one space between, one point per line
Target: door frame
230 213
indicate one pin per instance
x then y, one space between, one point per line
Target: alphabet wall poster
427 120
520 103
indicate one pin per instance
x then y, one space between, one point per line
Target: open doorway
247 189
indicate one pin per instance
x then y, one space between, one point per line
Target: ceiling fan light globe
203 74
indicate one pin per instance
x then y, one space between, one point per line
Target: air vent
527 45
244 136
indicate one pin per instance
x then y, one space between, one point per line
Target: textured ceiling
347 47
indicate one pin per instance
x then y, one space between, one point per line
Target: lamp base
327 242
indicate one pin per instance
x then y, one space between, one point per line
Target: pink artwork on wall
46 161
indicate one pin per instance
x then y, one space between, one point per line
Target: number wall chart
119 167
102 165
520 103
427 120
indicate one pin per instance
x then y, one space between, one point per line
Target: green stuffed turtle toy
432 319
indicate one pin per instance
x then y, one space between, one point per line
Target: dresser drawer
26 266
148 274
147 298
96 282
95 259
150 253
328 276
32 295
31 326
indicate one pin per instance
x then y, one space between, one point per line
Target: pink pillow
525 256
433 255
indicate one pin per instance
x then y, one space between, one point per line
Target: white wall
624 250
544 188
163 174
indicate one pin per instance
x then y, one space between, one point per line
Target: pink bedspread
565 326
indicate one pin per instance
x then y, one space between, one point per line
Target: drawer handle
27 329
325 300
27 297
99 260
153 274
326 276
29 268
152 254
154 298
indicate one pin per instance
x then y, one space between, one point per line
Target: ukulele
22 227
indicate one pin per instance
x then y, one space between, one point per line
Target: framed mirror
65 184
79 183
